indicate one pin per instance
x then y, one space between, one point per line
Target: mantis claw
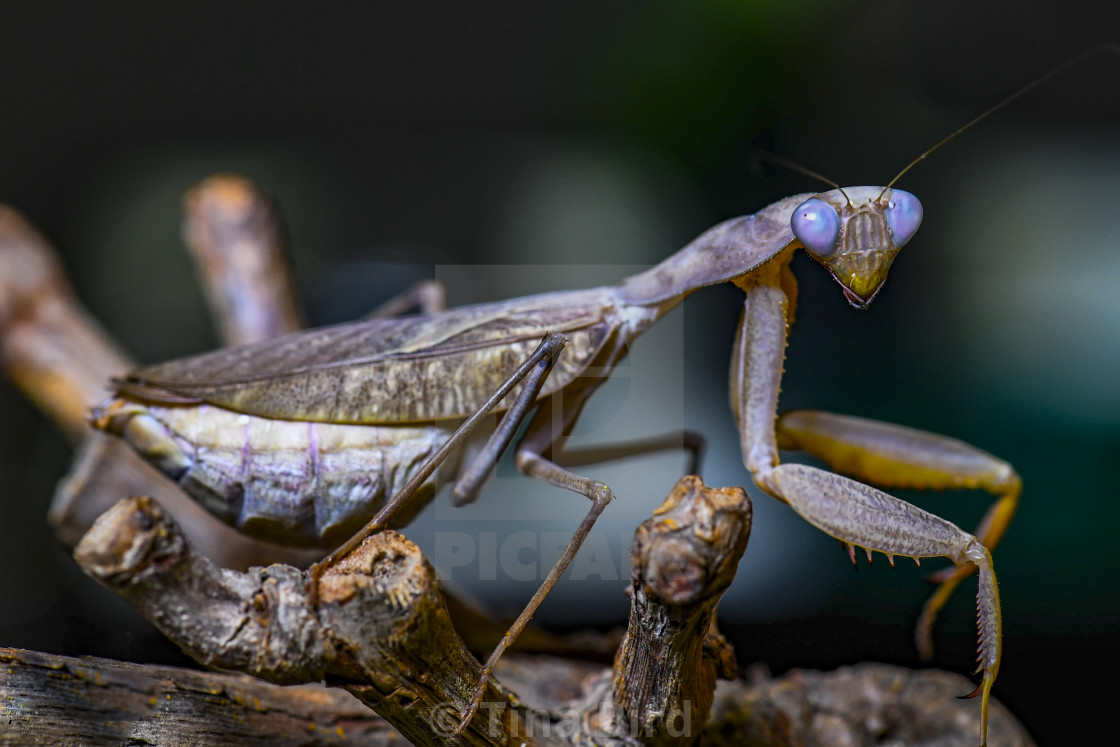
476 700
972 694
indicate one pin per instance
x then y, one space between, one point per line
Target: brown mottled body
267 435
361 422
230 426
433 367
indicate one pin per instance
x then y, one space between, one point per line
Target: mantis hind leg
474 477
691 442
535 458
893 456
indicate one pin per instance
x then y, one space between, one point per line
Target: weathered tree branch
237 241
381 621
379 628
50 347
53 350
682 561
866 704
61 700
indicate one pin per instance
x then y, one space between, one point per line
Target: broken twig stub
682 561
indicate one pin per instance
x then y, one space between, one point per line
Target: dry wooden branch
237 242
381 622
58 700
49 345
682 561
61 700
380 627
863 705
54 351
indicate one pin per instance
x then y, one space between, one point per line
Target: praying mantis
302 438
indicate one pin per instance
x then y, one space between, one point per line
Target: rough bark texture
381 631
379 626
57 700
682 560
858 706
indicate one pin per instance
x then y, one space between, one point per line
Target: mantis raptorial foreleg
862 515
894 456
855 513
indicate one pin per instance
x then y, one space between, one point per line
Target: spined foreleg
853 512
894 456
861 515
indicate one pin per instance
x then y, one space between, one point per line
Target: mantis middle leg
851 511
545 429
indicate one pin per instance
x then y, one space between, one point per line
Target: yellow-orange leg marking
894 456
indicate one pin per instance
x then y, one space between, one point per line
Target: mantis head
856 234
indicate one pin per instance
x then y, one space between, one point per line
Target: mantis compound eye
817 226
904 215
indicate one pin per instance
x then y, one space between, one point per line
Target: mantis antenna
792 166
1114 48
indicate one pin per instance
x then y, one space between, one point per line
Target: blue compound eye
817 226
904 215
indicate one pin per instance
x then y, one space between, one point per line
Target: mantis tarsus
299 439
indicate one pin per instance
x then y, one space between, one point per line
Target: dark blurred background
570 143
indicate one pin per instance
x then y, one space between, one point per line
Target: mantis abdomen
297 483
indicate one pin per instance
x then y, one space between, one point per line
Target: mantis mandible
300 439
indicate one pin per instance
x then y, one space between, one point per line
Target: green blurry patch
689 79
